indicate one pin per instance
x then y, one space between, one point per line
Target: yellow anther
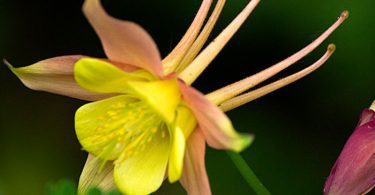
111 113
121 139
143 147
111 135
99 128
126 136
100 118
118 105
154 130
126 129
130 115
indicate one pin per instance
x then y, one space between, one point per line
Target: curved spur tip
344 14
331 47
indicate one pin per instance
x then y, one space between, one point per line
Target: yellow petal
163 96
184 124
144 172
102 77
98 125
176 155
185 119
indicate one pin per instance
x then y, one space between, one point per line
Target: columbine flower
149 122
354 170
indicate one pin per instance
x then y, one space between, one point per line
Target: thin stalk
248 174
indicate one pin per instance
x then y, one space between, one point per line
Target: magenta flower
354 170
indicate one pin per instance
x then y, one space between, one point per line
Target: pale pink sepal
215 125
95 174
354 170
194 176
55 75
123 41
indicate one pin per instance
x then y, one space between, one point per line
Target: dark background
299 129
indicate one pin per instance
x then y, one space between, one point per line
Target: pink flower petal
55 75
215 125
123 41
194 177
354 170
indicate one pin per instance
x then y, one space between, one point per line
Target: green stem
248 174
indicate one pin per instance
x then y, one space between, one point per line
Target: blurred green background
299 129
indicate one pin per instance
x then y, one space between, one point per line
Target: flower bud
354 170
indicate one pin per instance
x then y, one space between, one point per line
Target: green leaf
94 191
62 187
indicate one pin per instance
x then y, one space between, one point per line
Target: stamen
171 61
126 128
191 73
252 95
106 153
239 87
202 38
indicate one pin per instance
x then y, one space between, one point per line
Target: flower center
127 127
